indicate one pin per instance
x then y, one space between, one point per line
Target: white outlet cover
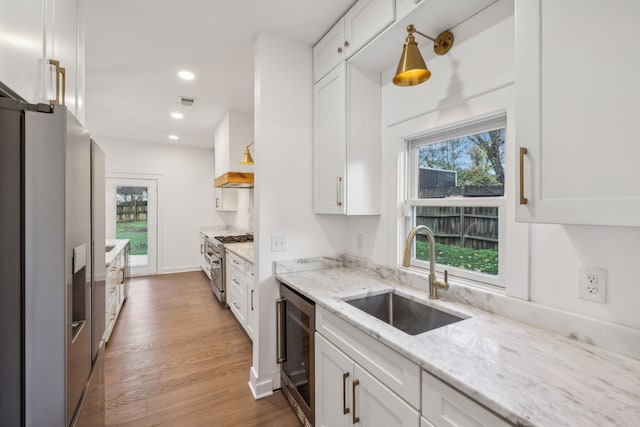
593 284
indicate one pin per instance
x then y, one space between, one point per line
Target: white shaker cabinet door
444 406
329 51
22 47
377 406
334 375
576 104
330 142
365 20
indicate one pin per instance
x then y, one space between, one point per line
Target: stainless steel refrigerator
45 263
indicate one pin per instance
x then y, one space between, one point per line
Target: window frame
456 130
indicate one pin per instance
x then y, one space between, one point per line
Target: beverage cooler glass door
296 347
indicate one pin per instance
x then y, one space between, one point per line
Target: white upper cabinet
22 47
329 51
35 32
577 93
404 7
346 142
365 20
330 142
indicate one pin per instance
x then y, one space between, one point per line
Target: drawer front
238 304
236 262
442 405
391 368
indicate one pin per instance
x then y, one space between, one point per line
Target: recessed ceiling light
187 75
173 137
177 115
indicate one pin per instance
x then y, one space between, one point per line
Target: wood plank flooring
176 358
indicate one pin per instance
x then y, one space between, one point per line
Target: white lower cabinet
346 394
444 406
240 291
360 380
115 292
252 317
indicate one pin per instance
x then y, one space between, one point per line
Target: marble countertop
118 246
243 250
529 376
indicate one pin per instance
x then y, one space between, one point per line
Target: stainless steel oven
295 347
215 254
215 259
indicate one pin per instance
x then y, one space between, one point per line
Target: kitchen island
524 375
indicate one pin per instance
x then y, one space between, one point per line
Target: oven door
217 278
296 326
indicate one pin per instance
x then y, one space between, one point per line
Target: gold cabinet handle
63 74
346 43
251 299
353 391
56 64
338 185
523 152
340 50
345 376
60 73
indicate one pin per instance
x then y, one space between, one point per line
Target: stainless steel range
215 253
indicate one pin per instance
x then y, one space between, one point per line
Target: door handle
345 376
523 152
354 418
338 186
60 72
281 337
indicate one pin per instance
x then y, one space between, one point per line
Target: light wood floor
176 358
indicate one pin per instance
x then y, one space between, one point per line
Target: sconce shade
246 159
412 69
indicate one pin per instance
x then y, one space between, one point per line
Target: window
456 188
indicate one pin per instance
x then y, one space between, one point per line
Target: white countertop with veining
118 246
528 375
243 250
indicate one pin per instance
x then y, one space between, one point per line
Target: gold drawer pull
523 152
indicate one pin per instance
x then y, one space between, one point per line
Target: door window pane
131 221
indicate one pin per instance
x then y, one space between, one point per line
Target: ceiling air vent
186 101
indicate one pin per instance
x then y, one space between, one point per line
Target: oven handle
281 333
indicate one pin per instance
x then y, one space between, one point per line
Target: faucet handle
446 277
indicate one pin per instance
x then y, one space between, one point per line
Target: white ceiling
135 48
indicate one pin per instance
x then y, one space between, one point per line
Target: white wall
186 195
283 189
469 81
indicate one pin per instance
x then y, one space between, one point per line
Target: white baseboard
184 269
260 387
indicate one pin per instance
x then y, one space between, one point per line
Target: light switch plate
278 243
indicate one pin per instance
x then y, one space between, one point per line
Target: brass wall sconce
247 159
412 70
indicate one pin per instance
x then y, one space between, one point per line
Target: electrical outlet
593 284
278 243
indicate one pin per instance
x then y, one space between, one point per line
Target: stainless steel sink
403 313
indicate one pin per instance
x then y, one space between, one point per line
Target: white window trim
475 125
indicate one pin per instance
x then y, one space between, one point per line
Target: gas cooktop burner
235 239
